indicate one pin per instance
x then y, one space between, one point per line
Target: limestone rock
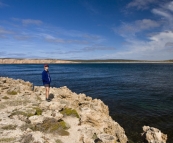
56 106
153 135
74 118
57 115
36 119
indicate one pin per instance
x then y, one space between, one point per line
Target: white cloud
146 24
91 36
54 39
127 29
50 35
8 54
169 6
141 4
46 36
162 13
18 33
155 49
31 21
22 37
165 12
169 44
77 34
167 35
92 48
153 46
28 21
4 31
60 35
98 48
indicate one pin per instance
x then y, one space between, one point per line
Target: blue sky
86 29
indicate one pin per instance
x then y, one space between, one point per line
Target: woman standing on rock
46 80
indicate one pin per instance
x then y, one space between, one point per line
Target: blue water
137 94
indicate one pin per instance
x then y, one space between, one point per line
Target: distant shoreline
57 61
32 61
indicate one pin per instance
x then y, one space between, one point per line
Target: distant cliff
32 61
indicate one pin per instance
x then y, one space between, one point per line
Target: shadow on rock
51 96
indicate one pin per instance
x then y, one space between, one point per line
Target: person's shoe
47 99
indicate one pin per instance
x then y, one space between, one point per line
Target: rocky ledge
69 118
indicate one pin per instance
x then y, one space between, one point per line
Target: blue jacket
46 77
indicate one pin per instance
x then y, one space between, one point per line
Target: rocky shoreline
69 118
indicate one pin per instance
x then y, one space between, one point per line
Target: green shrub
51 125
27 138
22 113
63 133
2 105
5 97
25 126
9 127
11 92
38 111
94 136
69 112
28 113
6 140
58 141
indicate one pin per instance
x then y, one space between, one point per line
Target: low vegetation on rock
4 140
5 97
58 141
69 112
52 126
11 92
27 114
9 127
38 111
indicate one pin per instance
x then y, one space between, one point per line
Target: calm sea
137 94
